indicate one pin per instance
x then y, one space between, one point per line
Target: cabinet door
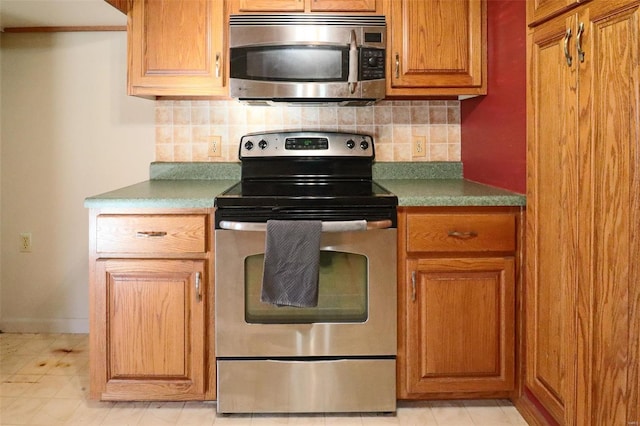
436 47
609 305
552 222
150 330
240 6
460 322
267 6
176 48
343 5
542 9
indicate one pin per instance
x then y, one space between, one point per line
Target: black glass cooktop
271 193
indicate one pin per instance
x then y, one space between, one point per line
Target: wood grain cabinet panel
151 305
267 5
343 5
552 234
155 322
436 47
583 198
176 48
151 234
541 10
457 302
461 233
461 317
348 6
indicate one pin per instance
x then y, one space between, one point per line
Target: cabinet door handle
198 287
397 65
413 286
567 55
579 42
217 65
467 235
150 234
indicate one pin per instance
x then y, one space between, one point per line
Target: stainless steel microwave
307 58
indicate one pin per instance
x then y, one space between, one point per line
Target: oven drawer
306 386
461 232
161 234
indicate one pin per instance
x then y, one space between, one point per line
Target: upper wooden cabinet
176 48
122 5
540 10
252 6
436 48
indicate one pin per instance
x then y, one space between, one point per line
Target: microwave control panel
372 64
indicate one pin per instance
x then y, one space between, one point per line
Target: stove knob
248 145
364 145
351 144
262 144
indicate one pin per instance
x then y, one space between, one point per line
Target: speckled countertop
195 185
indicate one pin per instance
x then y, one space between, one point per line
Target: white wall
68 131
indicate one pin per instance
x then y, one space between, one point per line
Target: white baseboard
45 325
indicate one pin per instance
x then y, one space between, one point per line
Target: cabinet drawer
461 232
150 233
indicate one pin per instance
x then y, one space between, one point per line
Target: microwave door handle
352 79
332 226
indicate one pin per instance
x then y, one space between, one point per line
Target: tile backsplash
184 129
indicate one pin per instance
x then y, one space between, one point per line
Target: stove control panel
306 144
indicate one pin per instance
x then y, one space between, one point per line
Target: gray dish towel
291 263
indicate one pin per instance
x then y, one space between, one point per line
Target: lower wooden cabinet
460 321
151 328
457 302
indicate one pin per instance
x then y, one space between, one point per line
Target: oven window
342 292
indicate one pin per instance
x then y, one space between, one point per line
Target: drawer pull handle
150 234
463 235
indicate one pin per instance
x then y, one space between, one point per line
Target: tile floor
44 381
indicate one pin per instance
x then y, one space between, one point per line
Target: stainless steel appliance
307 58
338 356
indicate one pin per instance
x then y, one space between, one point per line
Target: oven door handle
330 226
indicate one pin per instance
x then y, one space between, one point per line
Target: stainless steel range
305 304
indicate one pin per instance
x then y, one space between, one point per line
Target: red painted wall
493 127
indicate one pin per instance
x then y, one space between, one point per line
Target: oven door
356 312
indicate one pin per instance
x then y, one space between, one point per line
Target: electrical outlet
25 242
419 146
215 146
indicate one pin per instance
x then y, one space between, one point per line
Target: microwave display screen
291 63
373 37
